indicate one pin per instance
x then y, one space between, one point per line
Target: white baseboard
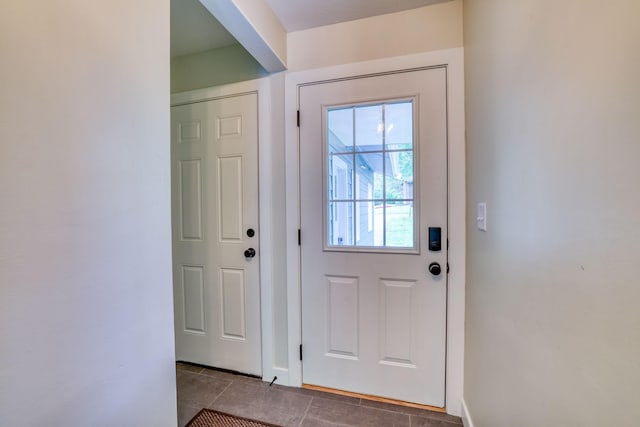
282 374
466 417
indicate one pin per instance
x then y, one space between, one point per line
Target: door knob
250 253
434 268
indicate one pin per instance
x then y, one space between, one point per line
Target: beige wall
214 67
553 131
413 31
86 325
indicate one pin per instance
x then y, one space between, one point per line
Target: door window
369 177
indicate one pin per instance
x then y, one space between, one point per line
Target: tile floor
287 406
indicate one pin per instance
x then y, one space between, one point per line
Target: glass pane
398 125
369 223
368 176
340 222
340 182
399 224
369 128
399 175
340 130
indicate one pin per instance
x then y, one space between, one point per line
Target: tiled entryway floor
288 406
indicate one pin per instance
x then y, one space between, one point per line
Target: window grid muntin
354 200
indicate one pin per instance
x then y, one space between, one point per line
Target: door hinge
298 118
447 268
299 237
301 352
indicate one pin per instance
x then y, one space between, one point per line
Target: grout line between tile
219 394
401 410
395 412
178 369
385 410
306 411
447 422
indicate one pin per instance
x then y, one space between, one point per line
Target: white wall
409 32
553 101
86 335
278 223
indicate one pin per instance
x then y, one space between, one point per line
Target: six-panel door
214 202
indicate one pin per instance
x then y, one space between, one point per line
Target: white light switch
482 216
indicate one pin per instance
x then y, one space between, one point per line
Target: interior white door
214 150
373 315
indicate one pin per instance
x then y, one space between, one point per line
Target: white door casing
372 322
214 202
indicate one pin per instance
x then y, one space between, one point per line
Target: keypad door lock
435 239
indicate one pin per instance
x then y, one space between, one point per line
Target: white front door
373 188
214 174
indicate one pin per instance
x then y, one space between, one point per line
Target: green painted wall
229 64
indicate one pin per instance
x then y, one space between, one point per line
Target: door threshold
374 398
213 368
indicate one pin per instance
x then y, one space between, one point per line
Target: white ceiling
194 29
297 15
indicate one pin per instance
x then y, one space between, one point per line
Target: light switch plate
482 216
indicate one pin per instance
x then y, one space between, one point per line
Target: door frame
262 88
453 61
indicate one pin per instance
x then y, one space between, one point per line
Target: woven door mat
211 418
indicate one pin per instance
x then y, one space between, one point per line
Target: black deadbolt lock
251 232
